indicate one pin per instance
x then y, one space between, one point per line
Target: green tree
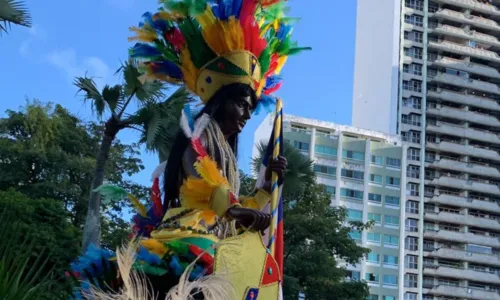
13 12
316 236
150 113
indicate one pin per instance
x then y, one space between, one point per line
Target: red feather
156 198
273 89
247 11
174 36
205 258
198 147
273 65
265 3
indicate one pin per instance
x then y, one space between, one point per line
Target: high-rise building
364 171
429 71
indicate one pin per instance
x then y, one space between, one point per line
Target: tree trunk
92 228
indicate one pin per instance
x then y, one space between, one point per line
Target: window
391 280
325 169
412 296
414 154
372 297
411 243
351 193
414 20
415 69
413 137
373 237
371 277
411 119
413 172
353 155
354 275
391 220
415 52
413 102
411 261
356 175
356 215
355 235
377 218
413 188
432 7
393 162
374 178
377 160
391 201
324 150
479 249
375 198
391 240
411 280
412 207
301 146
390 260
411 225
373 257
389 298
330 190
415 36
418 5
393 181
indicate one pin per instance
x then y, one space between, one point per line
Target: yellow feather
141 209
281 62
154 247
208 216
262 84
195 193
142 35
165 15
189 71
208 170
225 36
206 18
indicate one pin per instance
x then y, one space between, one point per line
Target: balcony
462 237
460 183
463 98
454 254
448 199
463 65
463 292
466 34
464 50
466 19
459 148
452 164
463 220
460 131
474 5
461 114
465 82
460 273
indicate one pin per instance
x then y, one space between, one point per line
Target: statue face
237 111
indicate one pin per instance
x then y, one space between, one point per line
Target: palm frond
13 12
91 93
112 96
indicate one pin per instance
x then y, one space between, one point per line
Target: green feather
178 247
265 60
111 193
198 48
186 7
149 269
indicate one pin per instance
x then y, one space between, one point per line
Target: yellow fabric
242 259
219 201
259 201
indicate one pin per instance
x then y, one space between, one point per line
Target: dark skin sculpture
238 111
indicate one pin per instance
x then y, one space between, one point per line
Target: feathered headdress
207 44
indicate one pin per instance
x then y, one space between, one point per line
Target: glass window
330 190
301 146
479 249
391 280
353 155
374 178
355 235
413 154
373 257
391 220
356 175
325 169
418 5
389 298
412 207
377 160
351 193
411 243
353 214
411 261
372 277
411 296
391 240
373 237
411 280
411 225
391 201
413 188
390 260
377 218
411 119
324 150
393 162
372 297
354 275
375 198
394 181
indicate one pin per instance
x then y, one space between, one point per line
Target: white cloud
67 61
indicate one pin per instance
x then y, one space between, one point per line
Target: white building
429 71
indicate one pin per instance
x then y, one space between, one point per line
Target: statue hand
250 218
277 165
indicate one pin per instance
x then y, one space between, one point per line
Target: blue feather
144 50
187 111
175 265
273 81
266 102
167 68
283 32
196 273
146 256
237 8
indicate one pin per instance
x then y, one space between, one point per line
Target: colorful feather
156 198
141 209
159 170
111 193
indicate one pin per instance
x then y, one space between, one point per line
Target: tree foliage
13 12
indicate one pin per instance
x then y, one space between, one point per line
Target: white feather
185 125
159 170
200 125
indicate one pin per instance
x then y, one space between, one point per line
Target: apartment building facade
439 88
364 171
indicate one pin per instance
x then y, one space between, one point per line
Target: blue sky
71 38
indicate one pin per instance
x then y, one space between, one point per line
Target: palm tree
13 12
152 119
299 172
